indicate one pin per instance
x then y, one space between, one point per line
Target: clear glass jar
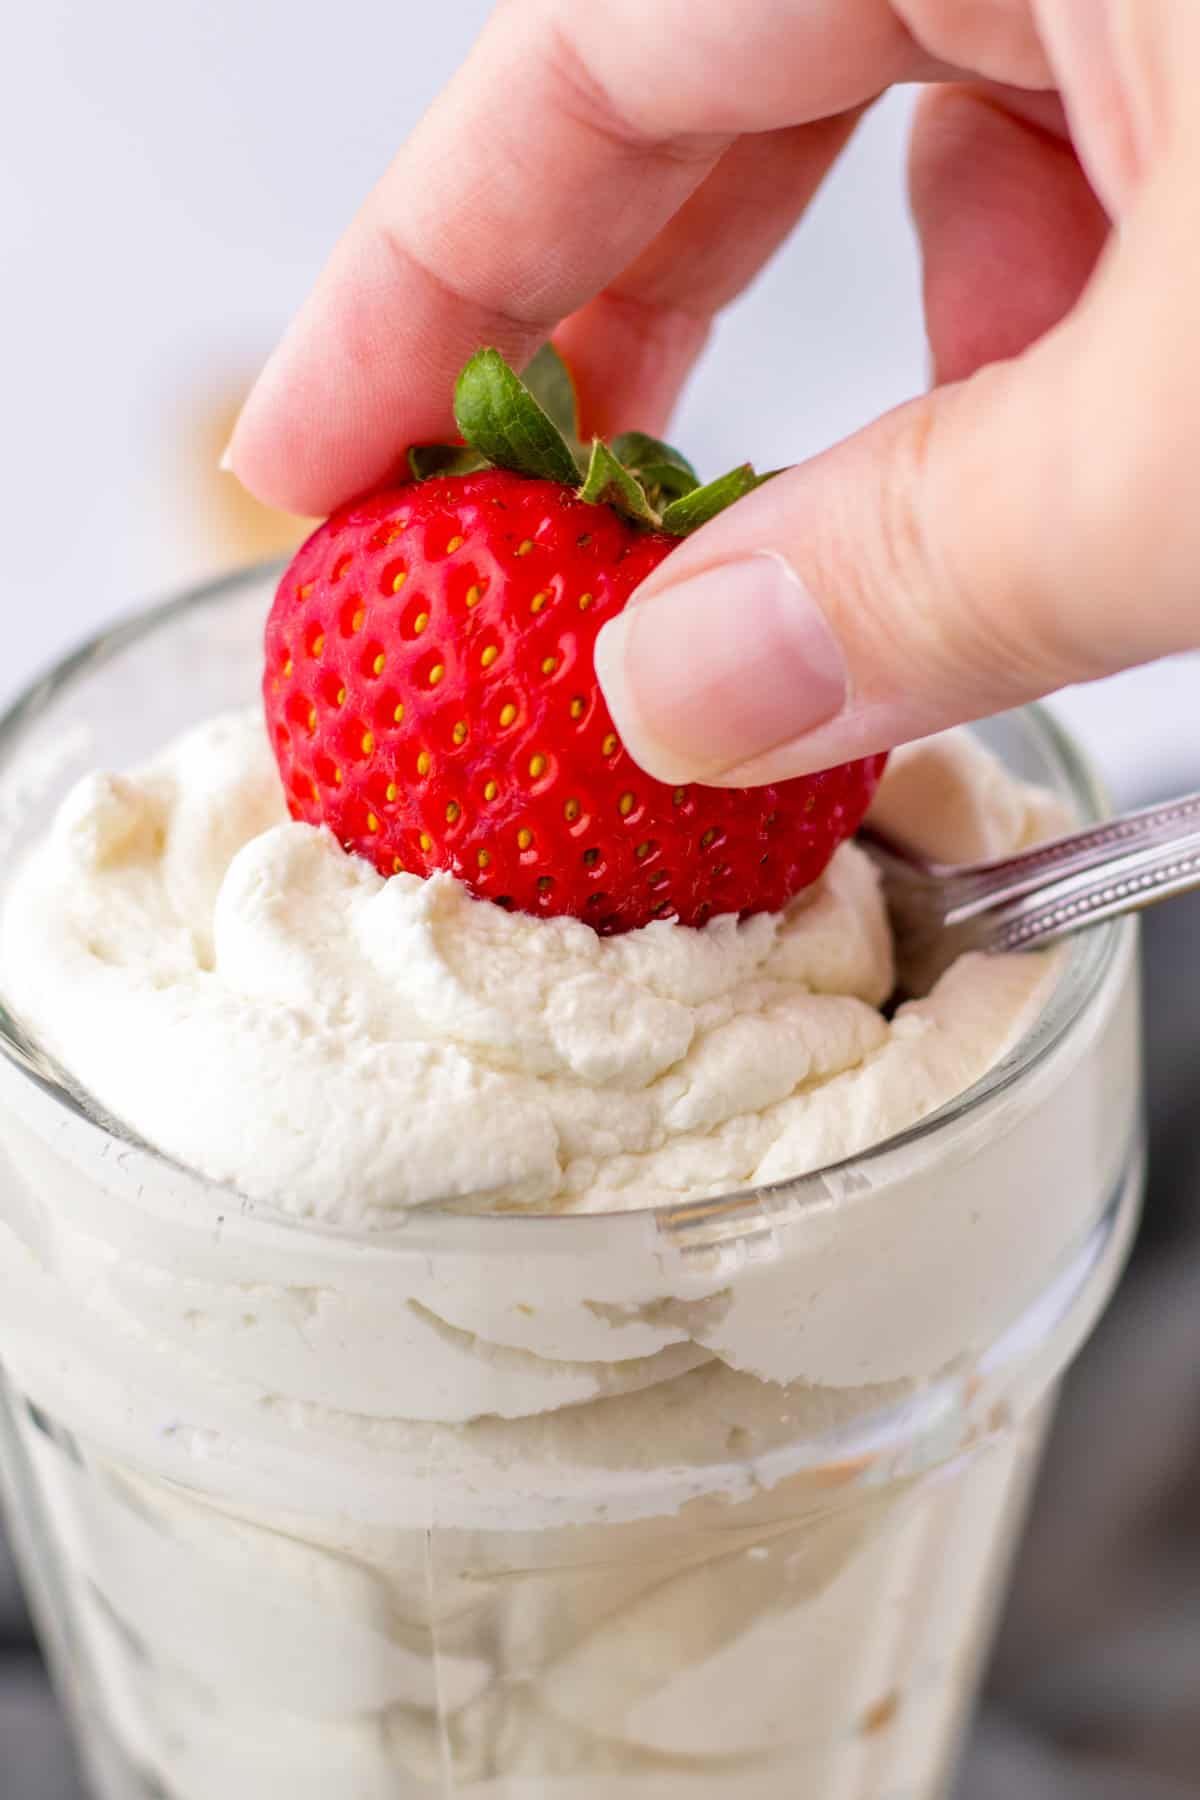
307 1514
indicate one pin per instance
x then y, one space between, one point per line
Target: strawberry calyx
531 427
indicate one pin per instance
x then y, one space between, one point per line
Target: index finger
533 181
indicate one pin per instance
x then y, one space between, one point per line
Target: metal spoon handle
1117 868
1099 847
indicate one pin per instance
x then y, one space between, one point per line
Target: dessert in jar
524 1349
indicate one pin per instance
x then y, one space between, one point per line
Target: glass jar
307 1513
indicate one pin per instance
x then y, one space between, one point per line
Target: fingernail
711 674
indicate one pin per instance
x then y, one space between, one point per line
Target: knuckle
1133 515
608 89
996 38
967 612
1130 547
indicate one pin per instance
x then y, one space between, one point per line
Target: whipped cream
582 1505
268 1010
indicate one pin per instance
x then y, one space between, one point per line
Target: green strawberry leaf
608 483
499 417
661 469
549 381
428 460
704 503
530 425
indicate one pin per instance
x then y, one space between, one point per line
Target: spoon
1023 902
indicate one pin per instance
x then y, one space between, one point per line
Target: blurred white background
172 178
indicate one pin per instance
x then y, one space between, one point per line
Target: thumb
978 548
867 597
936 568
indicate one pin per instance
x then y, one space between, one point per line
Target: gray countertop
1094 1692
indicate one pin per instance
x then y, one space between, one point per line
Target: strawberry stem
661 469
499 417
531 427
606 480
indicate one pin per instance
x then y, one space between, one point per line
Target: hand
617 171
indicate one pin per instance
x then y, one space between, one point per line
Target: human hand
617 172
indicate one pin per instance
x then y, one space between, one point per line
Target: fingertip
611 655
273 450
717 669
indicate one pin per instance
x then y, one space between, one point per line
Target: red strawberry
431 695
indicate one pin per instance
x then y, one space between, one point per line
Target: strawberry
431 695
